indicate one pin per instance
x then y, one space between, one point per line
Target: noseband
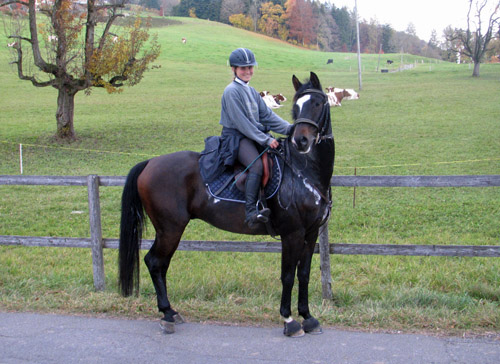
323 117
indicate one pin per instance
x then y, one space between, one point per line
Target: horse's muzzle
304 136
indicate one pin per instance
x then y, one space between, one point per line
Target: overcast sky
426 15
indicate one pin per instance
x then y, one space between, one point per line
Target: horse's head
310 114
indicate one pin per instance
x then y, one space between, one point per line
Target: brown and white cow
279 98
272 101
336 95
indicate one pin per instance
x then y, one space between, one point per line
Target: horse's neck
316 166
325 156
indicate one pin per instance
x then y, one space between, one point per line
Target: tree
387 41
230 7
472 42
253 12
347 27
433 41
241 21
203 9
271 21
411 30
327 31
65 52
301 22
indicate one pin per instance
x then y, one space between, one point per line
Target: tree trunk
64 114
475 73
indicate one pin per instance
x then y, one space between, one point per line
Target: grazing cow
269 100
329 61
184 40
336 95
389 61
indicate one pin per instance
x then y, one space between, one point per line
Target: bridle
324 117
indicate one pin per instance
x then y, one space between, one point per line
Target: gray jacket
243 109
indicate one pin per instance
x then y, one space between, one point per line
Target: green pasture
434 119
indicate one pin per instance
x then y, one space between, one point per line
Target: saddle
230 185
241 174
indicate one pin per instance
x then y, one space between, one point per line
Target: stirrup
261 216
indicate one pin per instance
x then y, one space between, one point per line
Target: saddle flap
267 164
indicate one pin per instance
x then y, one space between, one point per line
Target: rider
246 121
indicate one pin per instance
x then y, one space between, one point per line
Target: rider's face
244 73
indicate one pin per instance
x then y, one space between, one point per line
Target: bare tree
66 53
230 7
473 42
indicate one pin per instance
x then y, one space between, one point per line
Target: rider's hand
274 144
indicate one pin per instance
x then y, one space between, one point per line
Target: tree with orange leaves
301 22
66 53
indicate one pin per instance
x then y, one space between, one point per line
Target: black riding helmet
242 57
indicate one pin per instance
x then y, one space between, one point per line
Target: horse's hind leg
158 260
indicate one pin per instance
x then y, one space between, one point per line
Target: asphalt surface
35 338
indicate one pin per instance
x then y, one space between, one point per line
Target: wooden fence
96 242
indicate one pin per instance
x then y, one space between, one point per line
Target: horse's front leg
292 246
310 324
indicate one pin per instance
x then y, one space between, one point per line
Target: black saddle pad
223 187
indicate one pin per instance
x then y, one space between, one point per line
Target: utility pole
357 39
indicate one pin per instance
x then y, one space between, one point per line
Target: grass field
434 119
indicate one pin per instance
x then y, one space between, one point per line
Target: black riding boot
252 189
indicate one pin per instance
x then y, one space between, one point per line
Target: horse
170 190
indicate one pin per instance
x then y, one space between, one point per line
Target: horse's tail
131 226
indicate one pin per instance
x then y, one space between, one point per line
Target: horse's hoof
312 326
178 319
293 329
167 327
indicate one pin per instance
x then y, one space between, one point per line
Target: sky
425 15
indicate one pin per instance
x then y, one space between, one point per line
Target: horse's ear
315 81
296 83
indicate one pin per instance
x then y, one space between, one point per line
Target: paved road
35 338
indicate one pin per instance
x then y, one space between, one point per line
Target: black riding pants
248 153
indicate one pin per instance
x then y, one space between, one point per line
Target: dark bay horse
170 190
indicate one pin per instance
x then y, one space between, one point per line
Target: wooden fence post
96 232
324 254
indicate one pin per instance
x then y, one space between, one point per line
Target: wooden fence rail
97 243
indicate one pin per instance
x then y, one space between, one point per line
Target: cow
279 98
329 61
350 94
332 97
336 95
184 40
269 100
390 61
